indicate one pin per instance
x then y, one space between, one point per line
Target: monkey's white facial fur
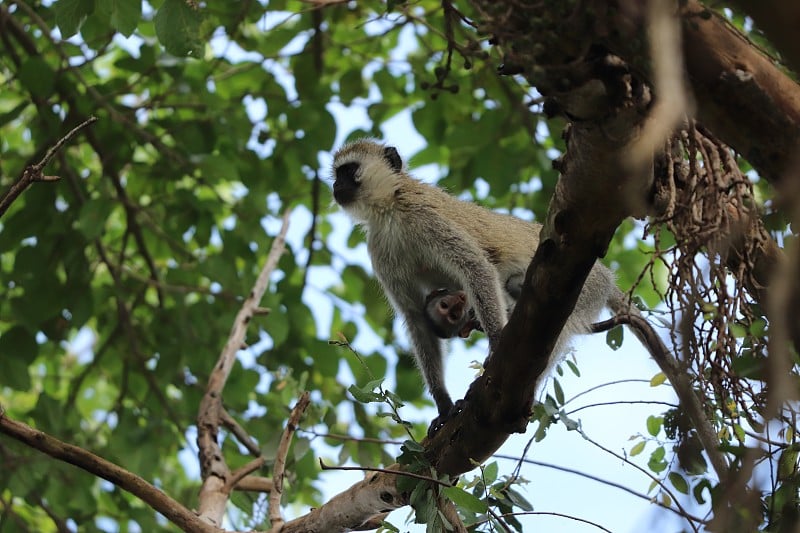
367 174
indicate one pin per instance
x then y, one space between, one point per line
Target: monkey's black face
346 183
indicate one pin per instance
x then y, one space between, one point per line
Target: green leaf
679 482
71 14
464 499
654 424
614 337
125 15
277 325
37 77
18 343
749 366
387 526
413 446
697 491
490 472
519 500
178 28
12 114
737 330
351 85
572 366
559 392
93 216
658 379
374 384
787 464
657 463
637 448
18 349
364 396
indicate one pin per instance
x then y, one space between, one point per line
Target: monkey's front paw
441 420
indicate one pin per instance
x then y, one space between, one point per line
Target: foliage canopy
120 282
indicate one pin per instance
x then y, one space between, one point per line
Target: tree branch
85 460
779 19
275 517
214 470
741 95
33 173
352 509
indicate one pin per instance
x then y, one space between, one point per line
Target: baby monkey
449 314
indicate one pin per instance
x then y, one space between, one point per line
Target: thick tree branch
741 95
352 509
779 20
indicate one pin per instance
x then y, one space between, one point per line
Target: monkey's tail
620 304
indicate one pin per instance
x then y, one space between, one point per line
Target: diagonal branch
85 460
215 472
33 173
275 518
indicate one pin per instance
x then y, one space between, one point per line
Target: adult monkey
421 239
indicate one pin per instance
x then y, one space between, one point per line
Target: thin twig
275 518
240 473
602 481
240 433
689 518
33 173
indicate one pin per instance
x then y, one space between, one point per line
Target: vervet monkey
421 239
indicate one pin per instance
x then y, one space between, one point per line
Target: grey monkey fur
421 239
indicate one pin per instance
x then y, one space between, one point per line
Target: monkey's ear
393 158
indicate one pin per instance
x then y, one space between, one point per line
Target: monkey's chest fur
412 250
401 257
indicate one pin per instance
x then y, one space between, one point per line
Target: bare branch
215 472
354 508
239 432
254 484
240 473
275 517
33 173
85 460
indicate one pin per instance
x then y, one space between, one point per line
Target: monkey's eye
348 172
393 158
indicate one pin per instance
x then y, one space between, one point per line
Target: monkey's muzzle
346 183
